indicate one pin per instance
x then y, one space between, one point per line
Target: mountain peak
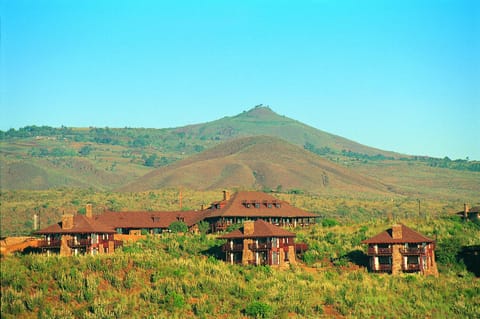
261 112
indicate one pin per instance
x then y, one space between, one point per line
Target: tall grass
156 278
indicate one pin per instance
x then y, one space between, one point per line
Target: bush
175 300
178 227
329 222
258 309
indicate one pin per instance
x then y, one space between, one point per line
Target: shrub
258 309
327 222
203 227
175 300
178 227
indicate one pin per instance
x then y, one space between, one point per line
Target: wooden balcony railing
54 243
235 247
301 247
117 243
260 246
79 242
411 267
413 251
379 251
383 267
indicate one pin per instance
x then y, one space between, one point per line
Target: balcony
301 247
54 243
411 267
380 251
383 268
231 248
412 251
118 243
260 246
75 243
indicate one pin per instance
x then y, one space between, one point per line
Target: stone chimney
248 227
226 195
397 231
466 210
67 221
35 222
88 211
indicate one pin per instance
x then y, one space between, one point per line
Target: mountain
261 162
261 120
42 157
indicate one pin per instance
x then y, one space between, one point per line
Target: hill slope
257 162
261 120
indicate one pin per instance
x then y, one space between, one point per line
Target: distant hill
261 120
261 162
42 157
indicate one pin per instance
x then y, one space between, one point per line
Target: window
257 205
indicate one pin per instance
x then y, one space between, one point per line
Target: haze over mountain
260 162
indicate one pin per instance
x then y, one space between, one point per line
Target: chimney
397 232
88 211
466 210
67 221
248 227
35 222
226 195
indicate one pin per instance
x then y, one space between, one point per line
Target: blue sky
397 75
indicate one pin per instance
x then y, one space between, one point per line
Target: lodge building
103 233
260 243
78 234
401 250
243 206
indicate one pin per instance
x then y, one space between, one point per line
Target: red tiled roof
81 225
408 236
237 207
144 219
475 209
260 229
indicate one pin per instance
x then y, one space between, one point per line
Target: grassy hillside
261 120
18 207
176 276
257 163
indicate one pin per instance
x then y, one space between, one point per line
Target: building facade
401 250
248 205
78 234
260 243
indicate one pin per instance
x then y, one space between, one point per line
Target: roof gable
144 219
261 229
408 236
81 225
256 204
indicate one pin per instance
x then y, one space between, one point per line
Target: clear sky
397 75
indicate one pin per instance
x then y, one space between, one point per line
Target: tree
150 161
203 227
85 150
178 227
